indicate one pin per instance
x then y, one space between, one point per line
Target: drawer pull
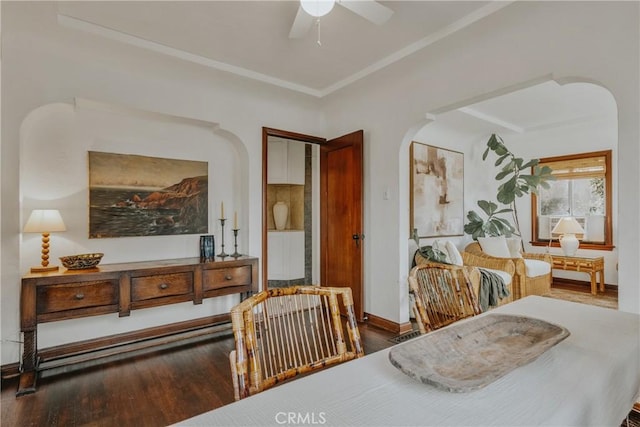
163 286
79 296
228 277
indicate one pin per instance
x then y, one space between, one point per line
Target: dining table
590 378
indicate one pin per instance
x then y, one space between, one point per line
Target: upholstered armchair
532 274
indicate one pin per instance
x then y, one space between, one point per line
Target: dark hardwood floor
154 387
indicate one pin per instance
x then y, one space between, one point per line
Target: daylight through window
581 189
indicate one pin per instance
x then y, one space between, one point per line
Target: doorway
333 220
290 208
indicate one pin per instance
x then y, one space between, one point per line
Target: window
582 189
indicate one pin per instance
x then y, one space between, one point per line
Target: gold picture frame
133 196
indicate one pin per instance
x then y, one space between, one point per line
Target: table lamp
44 221
568 227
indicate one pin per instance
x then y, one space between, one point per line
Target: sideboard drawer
73 296
161 285
225 277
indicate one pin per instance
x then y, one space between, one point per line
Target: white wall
43 63
522 44
452 131
162 106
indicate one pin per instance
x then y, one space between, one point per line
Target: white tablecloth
590 378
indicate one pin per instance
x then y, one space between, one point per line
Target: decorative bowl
81 261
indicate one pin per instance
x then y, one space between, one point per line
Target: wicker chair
472 263
442 295
523 285
284 332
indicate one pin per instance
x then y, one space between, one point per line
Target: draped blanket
492 289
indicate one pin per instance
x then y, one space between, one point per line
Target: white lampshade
568 227
317 8
44 221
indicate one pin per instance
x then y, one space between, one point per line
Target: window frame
607 245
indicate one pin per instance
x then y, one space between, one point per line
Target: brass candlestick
222 253
235 254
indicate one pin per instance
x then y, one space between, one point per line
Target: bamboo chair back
441 296
284 332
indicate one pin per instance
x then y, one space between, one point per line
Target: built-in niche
292 196
54 170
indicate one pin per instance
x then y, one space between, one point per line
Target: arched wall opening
540 118
54 174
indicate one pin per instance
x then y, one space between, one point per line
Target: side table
592 266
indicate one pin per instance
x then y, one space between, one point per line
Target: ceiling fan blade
301 24
368 9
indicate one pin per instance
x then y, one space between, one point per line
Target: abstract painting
132 195
437 191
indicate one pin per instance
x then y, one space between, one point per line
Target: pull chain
318 25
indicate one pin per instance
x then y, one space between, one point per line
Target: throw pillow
454 254
429 253
514 245
442 248
495 246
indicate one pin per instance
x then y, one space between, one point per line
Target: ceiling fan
310 10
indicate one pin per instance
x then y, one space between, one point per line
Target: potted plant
515 181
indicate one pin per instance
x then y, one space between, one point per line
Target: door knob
357 238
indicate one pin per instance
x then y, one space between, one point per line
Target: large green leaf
492 143
503 173
503 226
531 181
472 216
501 159
474 226
505 210
486 152
487 207
518 162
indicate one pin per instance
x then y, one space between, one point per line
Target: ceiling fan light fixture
317 8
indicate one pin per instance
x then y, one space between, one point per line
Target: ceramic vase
280 213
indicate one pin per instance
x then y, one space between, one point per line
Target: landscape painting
132 195
437 191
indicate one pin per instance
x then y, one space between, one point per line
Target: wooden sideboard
120 288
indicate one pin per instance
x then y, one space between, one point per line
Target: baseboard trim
164 333
581 284
98 348
10 370
388 325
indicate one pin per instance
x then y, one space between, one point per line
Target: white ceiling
542 106
251 38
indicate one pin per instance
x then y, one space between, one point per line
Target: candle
235 220
221 210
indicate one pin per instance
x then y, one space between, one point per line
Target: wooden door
341 258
